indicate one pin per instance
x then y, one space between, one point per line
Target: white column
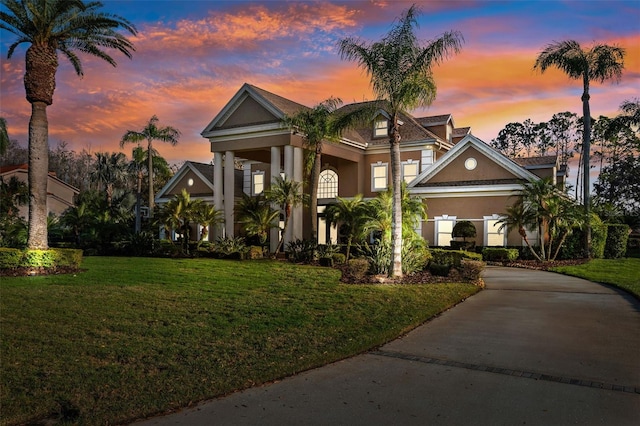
274 236
297 214
288 171
216 232
229 196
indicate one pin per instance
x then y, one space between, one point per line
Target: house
456 174
60 195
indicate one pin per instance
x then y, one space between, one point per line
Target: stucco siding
486 169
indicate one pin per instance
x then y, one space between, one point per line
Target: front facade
457 175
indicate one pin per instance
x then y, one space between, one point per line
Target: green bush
379 257
357 268
230 248
70 258
339 258
470 270
10 258
598 237
166 248
415 256
326 261
499 254
255 252
39 259
616 243
452 257
302 251
438 269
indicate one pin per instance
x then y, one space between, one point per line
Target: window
427 159
409 170
380 128
257 183
326 234
328 184
379 176
444 228
493 235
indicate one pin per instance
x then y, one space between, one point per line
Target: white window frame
427 159
333 182
255 174
438 221
374 178
410 162
380 127
490 229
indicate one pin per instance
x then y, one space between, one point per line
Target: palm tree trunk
396 212
150 170
284 230
38 175
586 154
313 191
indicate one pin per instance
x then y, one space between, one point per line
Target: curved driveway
533 348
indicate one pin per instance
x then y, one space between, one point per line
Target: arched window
328 184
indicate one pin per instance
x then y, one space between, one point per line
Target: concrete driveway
533 348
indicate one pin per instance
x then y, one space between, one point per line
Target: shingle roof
283 104
550 160
461 131
434 119
472 182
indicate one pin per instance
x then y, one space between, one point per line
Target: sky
192 56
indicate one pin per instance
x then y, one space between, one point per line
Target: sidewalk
533 348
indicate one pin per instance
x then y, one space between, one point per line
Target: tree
109 171
288 195
517 217
352 214
257 217
151 132
324 122
4 136
180 211
400 71
206 216
599 63
49 26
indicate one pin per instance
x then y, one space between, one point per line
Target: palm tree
536 196
49 26
257 217
517 217
599 63
322 123
180 211
151 132
4 136
401 75
109 171
288 195
353 216
206 216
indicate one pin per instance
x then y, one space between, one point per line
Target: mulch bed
539 266
25 272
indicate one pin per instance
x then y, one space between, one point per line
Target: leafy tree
151 132
509 141
49 26
401 75
109 171
619 185
324 122
4 136
13 194
352 214
180 211
599 63
288 195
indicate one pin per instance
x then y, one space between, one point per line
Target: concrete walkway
533 348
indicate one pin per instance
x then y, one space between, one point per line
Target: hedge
498 254
51 258
616 244
452 257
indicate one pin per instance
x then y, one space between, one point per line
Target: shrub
327 250
166 248
440 270
302 251
598 237
255 252
10 258
452 257
616 243
230 248
499 254
39 259
378 256
339 258
415 256
70 258
326 261
357 268
470 270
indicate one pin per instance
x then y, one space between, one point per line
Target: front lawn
133 337
622 273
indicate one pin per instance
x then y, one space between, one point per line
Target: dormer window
380 126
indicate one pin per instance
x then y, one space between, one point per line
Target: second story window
328 184
379 177
380 126
409 170
257 183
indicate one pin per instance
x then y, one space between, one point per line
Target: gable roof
203 171
458 149
275 104
24 168
537 162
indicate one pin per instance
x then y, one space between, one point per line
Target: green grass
621 273
132 337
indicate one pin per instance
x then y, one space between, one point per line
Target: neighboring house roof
537 162
24 168
461 131
435 120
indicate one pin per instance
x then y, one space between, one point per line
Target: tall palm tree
288 195
320 124
400 71
353 216
536 196
517 217
180 211
151 132
109 171
599 63
4 136
49 26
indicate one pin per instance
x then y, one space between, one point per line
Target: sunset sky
192 56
